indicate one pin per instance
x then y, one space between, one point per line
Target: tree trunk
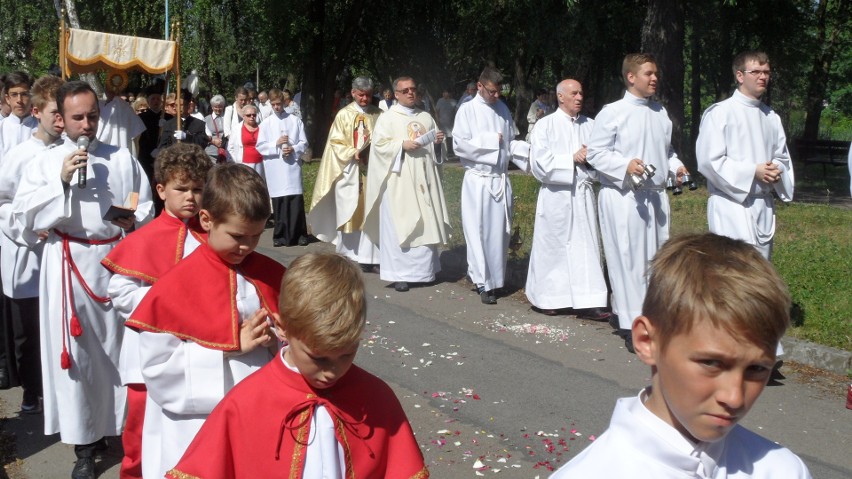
523 98
74 21
695 82
663 36
321 76
818 78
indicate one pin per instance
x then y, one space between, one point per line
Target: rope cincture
292 423
73 325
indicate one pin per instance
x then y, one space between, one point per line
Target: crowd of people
111 209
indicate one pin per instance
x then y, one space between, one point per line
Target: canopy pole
62 41
178 103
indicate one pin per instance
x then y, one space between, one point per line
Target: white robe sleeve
301 145
125 293
781 157
182 377
41 201
546 164
732 176
268 137
475 146
601 153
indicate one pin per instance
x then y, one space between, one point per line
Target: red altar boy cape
261 427
155 248
196 300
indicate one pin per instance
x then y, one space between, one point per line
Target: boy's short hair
322 301
632 62
740 60
44 90
490 74
714 278
274 95
14 79
182 162
236 189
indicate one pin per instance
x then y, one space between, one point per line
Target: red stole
261 427
155 248
196 300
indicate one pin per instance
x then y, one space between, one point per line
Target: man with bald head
565 264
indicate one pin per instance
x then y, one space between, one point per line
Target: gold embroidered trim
174 473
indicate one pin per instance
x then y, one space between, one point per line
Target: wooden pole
62 42
178 102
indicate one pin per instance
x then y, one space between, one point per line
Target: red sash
72 324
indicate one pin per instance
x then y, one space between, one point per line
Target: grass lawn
813 245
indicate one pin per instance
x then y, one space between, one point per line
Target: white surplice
486 202
126 292
638 444
565 261
736 135
85 402
283 172
405 210
14 131
119 124
185 382
634 224
20 260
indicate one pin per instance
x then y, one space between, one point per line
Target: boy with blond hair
712 318
204 323
632 137
20 256
141 259
310 412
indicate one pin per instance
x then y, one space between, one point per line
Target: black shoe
32 408
370 268
303 241
277 244
593 314
546 312
628 340
628 345
487 297
613 321
4 378
84 468
400 286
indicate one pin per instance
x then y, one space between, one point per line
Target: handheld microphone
82 144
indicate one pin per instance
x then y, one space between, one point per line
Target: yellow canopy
87 51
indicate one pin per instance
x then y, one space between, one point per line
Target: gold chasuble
338 200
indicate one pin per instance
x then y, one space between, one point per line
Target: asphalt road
500 391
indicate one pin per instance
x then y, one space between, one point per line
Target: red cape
196 300
261 426
155 248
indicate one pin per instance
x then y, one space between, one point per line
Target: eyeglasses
759 73
19 94
406 91
490 91
251 115
141 110
171 104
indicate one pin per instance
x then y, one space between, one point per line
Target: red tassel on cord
76 329
65 362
